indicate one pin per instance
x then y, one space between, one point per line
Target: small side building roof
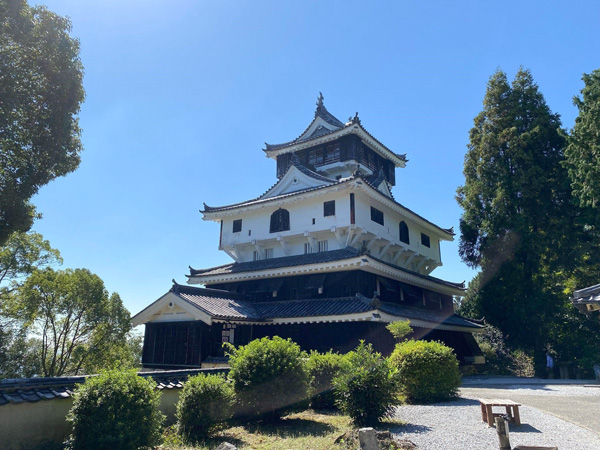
587 300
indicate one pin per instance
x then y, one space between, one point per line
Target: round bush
268 375
365 387
427 371
115 410
322 368
204 403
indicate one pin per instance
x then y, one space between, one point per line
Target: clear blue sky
182 94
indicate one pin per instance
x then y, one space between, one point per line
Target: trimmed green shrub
322 367
400 329
115 410
268 376
365 387
427 371
204 403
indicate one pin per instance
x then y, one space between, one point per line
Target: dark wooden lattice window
404 237
237 225
425 240
280 221
329 208
376 216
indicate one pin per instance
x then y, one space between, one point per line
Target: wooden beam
284 245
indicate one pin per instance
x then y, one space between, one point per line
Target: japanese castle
326 256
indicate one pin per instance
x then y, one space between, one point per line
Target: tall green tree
583 149
40 95
516 206
71 314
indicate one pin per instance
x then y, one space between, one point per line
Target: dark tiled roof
261 199
220 307
312 308
426 315
275 263
318 307
425 277
218 304
31 390
589 294
302 260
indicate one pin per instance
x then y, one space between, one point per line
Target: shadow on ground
510 387
524 428
408 428
290 427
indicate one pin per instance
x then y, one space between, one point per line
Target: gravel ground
549 390
458 425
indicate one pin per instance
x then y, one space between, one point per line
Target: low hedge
115 410
204 404
269 375
427 371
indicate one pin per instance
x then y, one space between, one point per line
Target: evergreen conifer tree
516 201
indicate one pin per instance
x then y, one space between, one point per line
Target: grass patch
303 430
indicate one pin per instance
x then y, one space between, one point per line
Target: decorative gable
384 188
297 179
317 128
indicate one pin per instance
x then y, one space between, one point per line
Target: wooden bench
512 410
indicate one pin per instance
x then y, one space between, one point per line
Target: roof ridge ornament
320 105
175 287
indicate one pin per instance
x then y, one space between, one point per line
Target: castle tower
326 256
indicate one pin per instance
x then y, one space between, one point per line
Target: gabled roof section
379 182
202 304
297 178
323 123
325 128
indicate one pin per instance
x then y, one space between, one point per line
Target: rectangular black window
425 240
329 208
237 225
376 216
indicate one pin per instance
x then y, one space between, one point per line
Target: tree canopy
517 214
21 254
72 317
40 96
